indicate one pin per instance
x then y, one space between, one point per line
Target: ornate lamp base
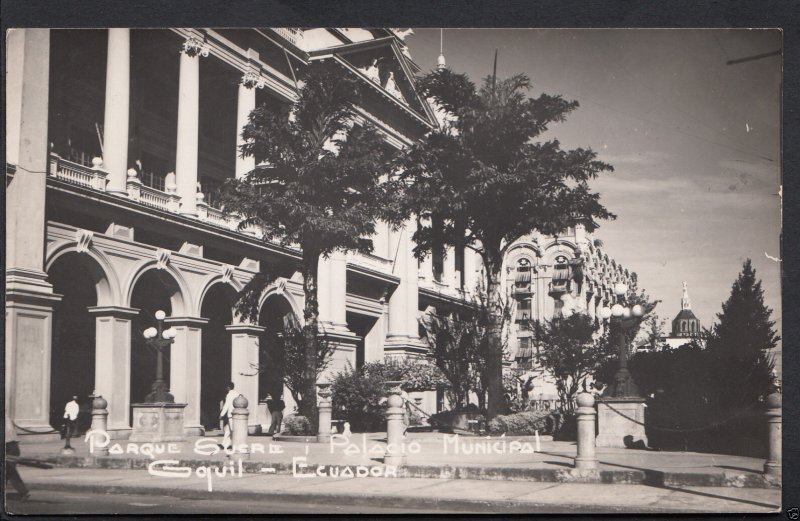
159 394
623 386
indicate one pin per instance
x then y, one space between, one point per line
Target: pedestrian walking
275 407
71 411
225 416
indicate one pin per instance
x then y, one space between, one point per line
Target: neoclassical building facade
555 276
116 142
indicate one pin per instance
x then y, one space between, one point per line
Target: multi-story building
116 141
549 277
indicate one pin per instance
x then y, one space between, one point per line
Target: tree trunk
308 405
496 403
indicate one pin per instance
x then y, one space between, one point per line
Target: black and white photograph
379 270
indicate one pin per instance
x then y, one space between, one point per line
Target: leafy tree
481 180
654 332
740 342
291 358
570 352
461 347
321 184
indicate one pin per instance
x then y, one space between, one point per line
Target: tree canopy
483 175
481 179
740 342
570 351
322 180
322 183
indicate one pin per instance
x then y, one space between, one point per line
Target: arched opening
72 366
151 293
271 354
215 359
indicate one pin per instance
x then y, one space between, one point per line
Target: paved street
70 503
74 491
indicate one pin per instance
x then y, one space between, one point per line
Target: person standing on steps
226 414
275 407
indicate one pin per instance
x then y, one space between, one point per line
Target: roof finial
440 62
685 302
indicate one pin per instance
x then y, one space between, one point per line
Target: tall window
522 278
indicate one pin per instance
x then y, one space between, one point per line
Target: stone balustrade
90 177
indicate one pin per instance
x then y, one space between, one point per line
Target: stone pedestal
157 422
615 417
324 413
586 458
395 425
773 467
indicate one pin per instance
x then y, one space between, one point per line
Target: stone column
112 378
244 361
448 277
332 293
586 458
470 282
188 124
29 297
772 467
403 331
246 102
115 122
184 369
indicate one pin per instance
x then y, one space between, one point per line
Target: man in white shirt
71 411
225 415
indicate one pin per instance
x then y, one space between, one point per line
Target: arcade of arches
89 350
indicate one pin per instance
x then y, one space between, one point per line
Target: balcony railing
155 198
94 177
90 177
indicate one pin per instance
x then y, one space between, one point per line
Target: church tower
685 324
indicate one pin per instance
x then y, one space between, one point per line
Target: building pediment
382 65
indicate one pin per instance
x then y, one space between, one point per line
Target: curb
545 475
402 503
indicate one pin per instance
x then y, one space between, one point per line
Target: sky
695 143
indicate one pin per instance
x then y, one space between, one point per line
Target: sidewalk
412 494
435 455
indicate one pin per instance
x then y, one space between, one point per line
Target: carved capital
194 46
252 80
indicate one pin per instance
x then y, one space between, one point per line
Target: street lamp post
621 411
626 319
159 339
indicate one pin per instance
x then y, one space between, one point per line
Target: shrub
297 425
522 423
356 398
358 394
